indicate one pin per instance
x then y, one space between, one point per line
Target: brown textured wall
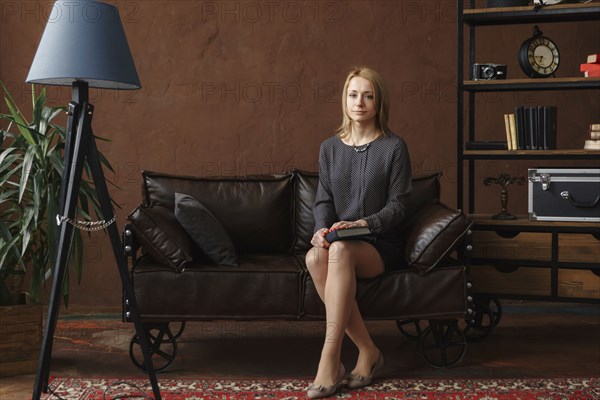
244 87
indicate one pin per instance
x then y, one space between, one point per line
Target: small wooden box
20 339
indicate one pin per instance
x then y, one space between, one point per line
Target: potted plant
31 165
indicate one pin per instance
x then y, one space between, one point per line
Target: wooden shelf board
514 10
532 84
528 153
527 14
523 221
533 81
574 154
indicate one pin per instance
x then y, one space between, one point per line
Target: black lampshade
84 41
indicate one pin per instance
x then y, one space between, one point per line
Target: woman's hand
348 224
318 239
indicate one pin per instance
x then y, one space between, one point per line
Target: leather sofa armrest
436 232
160 235
130 242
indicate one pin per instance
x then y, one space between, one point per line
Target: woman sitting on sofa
364 181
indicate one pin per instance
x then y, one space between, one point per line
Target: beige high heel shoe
320 391
356 381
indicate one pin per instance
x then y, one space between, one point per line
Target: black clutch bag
359 233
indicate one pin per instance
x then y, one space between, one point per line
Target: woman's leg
334 273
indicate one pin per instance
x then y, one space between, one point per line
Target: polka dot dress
371 182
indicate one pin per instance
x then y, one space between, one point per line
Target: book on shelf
591 74
532 127
535 128
594 131
507 131
520 122
513 131
590 70
593 59
549 128
592 144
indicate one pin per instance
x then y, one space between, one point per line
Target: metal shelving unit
469 19
474 17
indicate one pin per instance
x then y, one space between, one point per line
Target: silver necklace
361 149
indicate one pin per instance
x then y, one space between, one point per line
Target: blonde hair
382 100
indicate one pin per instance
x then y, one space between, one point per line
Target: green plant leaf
7 160
5 154
26 169
54 112
30 188
39 123
11 101
21 124
12 174
9 246
7 194
38 191
26 231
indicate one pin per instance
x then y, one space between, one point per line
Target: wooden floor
532 340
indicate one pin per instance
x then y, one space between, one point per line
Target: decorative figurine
503 180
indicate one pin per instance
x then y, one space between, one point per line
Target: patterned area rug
486 389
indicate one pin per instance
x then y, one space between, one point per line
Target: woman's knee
340 252
316 261
359 257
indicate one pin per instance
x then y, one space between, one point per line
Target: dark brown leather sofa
270 222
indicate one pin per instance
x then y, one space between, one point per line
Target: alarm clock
539 56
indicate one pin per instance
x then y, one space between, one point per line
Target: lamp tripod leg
73 169
84 145
115 238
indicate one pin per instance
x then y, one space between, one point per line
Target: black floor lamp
83 46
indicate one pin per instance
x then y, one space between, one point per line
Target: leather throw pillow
161 236
436 233
205 230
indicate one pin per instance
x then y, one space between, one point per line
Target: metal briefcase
564 194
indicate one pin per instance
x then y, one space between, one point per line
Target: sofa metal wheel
178 327
411 328
486 315
163 347
496 309
480 325
443 344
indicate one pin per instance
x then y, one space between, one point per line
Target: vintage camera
489 71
